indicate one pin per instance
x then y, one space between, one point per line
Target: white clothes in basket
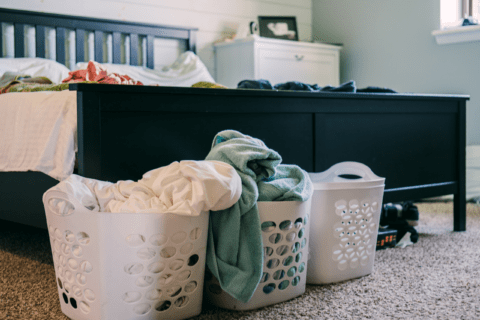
183 188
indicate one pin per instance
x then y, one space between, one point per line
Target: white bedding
34 67
187 70
38 132
38 129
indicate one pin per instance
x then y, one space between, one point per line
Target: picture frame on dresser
278 27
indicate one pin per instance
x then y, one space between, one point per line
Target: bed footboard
417 142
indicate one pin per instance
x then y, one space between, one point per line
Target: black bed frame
415 141
99 26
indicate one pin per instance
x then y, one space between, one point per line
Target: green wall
388 43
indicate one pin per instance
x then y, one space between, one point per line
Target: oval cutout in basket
61 207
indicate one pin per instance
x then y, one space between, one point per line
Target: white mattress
38 132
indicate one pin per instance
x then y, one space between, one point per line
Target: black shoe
390 214
394 212
410 213
402 227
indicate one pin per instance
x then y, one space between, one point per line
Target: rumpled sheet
184 72
38 125
183 188
93 73
32 85
235 246
38 131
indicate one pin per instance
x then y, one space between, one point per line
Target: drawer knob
299 58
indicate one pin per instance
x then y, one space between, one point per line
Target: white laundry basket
285 226
346 206
126 265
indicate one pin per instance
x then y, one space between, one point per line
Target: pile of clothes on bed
348 86
94 73
39 74
263 84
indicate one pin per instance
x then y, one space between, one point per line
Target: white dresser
277 61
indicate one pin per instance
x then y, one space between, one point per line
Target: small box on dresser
277 61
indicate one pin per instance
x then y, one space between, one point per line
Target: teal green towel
290 183
235 248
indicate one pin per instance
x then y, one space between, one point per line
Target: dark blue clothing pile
299 86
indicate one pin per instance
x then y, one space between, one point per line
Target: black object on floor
410 213
402 218
395 212
387 238
402 228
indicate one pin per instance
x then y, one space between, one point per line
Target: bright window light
451 12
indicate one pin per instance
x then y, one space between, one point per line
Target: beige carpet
437 278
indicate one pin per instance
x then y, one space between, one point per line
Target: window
458 21
453 12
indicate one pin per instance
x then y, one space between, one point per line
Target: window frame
454 30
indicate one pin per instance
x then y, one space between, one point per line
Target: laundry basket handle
66 206
353 170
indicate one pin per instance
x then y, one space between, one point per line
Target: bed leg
459 198
459 212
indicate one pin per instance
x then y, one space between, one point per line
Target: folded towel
235 248
183 188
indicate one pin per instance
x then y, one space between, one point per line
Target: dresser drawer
307 66
277 61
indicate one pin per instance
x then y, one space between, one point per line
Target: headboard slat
98 46
133 49
80 45
150 61
19 35
192 42
117 47
83 26
40 41
60 44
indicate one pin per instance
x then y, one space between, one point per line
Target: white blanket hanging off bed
38 130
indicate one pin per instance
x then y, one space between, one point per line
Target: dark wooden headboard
81 25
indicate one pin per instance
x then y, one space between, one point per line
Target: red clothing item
97 73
